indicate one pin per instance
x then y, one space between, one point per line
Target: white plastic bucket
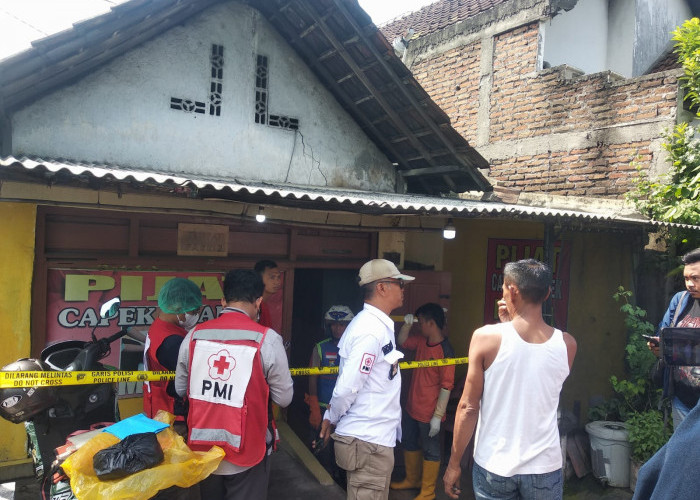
610 452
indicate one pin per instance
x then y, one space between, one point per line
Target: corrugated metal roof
53 171
335 38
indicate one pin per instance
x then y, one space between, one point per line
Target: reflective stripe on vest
216 436
326 383
216 423
214 334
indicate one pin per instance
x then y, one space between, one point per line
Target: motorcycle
51 414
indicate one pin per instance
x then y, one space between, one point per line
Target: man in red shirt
272 279
427 400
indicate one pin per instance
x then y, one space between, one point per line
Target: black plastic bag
131 454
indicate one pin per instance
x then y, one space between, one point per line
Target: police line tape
406 365
9 379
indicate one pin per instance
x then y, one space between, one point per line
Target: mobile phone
318 445
652 340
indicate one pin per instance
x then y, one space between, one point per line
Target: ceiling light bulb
260 217
449 232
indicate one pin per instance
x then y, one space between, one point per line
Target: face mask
190 321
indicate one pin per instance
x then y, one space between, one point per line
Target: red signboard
74 298
502 251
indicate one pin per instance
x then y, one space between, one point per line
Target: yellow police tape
11 379
406 365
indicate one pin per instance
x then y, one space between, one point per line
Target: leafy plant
635 400
606 410
647 434
639 358
635 393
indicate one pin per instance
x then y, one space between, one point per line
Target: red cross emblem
221 365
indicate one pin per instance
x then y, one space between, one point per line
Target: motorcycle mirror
110 308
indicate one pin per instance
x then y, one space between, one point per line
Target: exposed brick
526 104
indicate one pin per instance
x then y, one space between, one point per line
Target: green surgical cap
179 295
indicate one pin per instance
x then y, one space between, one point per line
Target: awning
55 172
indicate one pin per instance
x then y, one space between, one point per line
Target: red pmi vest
155 396
227 391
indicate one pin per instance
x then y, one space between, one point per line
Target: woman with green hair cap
180 302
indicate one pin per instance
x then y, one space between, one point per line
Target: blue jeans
678 411
414 437
488 486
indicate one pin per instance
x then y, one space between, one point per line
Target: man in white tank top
516 371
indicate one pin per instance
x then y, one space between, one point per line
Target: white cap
378 269
339 313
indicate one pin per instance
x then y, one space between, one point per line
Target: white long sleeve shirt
365 402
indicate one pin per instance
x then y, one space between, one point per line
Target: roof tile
436 16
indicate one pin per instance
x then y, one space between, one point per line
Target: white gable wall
121 113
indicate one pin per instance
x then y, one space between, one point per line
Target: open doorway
315 291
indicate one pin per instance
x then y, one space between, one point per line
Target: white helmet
339 313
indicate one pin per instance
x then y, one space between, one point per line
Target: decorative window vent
284 122
187 105
217 76
215 88
261 91
262 115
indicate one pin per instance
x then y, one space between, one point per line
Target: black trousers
247 485
175 492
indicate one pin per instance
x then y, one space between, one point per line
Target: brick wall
530 105
527 104
602 170
452 80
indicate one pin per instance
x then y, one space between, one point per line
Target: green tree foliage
687 38
675 197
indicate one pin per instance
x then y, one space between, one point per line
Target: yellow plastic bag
180 467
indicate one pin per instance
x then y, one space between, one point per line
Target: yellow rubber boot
413 460
430 473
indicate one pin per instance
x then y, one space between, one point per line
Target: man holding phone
682 383
652 341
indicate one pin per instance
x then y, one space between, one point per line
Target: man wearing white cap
365 409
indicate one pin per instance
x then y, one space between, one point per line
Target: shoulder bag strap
679 309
